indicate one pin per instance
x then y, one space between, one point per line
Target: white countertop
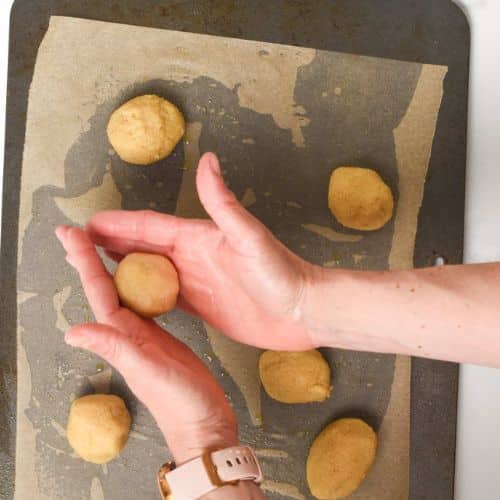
478 438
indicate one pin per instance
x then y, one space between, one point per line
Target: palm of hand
244 288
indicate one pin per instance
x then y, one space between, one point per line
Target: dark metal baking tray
429 31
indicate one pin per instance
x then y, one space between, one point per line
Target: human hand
233 272
184 398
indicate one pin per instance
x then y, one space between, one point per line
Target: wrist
217 475
189 444
335 308
318 301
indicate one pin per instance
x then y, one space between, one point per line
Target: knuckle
111 349
230 201
139 224
95 280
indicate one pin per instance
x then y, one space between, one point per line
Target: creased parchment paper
280 118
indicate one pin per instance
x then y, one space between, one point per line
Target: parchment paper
281 118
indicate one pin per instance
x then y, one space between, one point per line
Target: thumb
221 204
110 344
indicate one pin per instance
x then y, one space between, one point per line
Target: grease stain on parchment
81 208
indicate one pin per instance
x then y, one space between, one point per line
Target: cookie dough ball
147 284
359 198
98 427
145 129
295 377
340 458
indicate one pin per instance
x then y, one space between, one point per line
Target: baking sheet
404 122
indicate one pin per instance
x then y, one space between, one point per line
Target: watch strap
212 470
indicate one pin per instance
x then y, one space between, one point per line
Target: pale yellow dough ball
340 458
147 284
359 198
98 427
295 377
145 129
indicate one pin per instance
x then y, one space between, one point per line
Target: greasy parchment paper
281 118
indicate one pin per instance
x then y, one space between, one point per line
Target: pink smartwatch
204 474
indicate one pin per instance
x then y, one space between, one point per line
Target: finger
123 246
155 230
97 282
111 344
189 229
221 204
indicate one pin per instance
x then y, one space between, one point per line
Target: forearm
450 313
